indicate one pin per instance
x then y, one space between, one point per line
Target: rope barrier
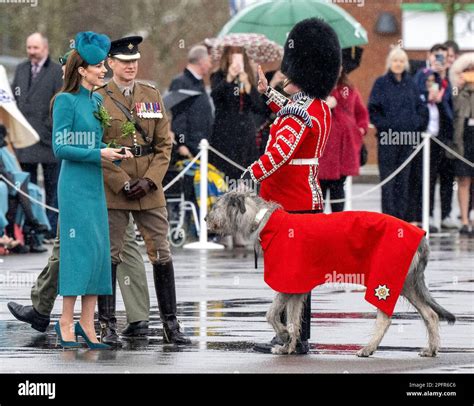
182 173
389 178
460 157
27 195
55 210
221 155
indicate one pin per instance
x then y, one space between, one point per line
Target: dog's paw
365 352
427 352
280 350
291 349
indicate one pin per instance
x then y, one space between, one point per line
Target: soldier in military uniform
138 122
288 170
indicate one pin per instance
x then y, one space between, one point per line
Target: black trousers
336 192
190 196
14 202
395 194
51 175
442 168
306 318
415 198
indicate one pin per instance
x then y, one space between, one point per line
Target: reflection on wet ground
222 305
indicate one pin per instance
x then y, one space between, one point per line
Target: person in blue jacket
78 118
399 115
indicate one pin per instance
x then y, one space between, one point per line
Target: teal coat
3 207
84 268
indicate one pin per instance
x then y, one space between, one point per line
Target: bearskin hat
312 57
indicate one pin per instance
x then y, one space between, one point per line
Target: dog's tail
421 288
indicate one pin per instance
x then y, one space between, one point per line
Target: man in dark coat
36 81
192 118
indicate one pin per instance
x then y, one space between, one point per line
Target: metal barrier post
426 184
203 243
348 205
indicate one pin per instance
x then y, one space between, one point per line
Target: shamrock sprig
103 116
113 144
128 129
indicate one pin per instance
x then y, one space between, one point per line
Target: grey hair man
193 117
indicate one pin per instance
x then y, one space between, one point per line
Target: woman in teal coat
83 221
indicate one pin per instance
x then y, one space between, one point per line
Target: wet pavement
222 304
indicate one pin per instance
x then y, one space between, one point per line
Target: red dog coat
302 251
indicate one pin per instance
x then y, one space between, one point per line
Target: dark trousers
415 182
306 318
14 202
442 168
395 193
336 192
51 174
190 196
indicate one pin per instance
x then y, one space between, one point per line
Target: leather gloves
137 188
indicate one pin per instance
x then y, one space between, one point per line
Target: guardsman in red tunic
288 170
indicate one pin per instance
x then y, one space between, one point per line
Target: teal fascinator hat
92 47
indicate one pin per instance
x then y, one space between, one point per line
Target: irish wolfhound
248 214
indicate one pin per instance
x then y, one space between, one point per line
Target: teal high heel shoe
59 339
93 346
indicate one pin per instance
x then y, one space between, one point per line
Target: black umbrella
351 58
175 97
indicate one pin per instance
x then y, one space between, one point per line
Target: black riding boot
306 321
163 275
107 319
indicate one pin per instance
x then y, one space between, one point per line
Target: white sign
421 29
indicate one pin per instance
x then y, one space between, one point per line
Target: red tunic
302 251
300 131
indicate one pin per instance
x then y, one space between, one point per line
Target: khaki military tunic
152 166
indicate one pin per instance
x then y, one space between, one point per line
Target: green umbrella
276 18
